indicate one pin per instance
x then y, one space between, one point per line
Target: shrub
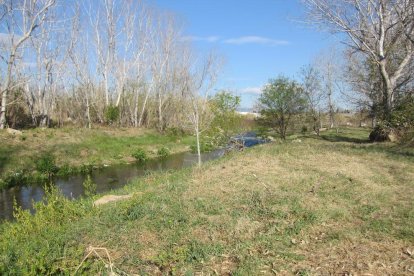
89 187
262 132
112 114
13 179
175 131
43 243
46 164
86 168
140 155
163 152
304 129
380 134
66 170
204 147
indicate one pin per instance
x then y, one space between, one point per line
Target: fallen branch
94 250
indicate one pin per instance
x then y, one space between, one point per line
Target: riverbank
78 149
329 205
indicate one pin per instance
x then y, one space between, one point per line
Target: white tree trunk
198 144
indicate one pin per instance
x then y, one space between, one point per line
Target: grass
74 148
304 207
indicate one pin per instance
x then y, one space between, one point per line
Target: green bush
304 129
89 187
140 155
43 243
204 147
13 179
112 114
262 132
86 168
175 131
46 164
66 170
380 133
163 152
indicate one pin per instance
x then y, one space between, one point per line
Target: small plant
66 170
89 186
140 155
163 152
86 168
46 164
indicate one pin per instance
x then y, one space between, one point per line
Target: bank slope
307 206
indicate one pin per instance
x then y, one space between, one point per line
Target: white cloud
251 90
210 39
255 40
238 40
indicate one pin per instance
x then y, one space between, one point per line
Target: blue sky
259 39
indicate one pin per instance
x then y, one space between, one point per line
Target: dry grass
336 183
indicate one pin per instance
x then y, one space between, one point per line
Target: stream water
107 179
114 177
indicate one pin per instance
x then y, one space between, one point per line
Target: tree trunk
3 121
118 100
106 89
282 128
331 111
160 118
198 145
135 116
388 91
143 109
88 113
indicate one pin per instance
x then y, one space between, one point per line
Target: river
107 179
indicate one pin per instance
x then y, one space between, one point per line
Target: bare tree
198 80
123 53
21 19
312 89
366 85
80 57
376 28
50 64
327 63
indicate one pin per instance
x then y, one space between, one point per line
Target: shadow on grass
343 138
5 156
362 144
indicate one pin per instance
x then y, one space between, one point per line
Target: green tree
281 99
226 120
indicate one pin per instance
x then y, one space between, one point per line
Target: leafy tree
225 101
280 100
226 120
